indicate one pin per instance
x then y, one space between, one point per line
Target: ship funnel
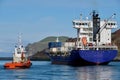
96 24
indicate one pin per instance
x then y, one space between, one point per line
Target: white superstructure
19 52
105 35
92 34
85 29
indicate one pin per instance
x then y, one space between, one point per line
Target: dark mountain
116 40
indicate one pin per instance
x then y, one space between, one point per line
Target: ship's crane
105 24
102 27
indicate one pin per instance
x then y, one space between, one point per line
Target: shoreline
38 59
32 59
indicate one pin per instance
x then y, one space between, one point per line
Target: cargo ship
91 46
20 59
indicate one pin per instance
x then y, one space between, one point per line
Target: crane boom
105 24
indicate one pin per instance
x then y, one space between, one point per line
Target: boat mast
19 41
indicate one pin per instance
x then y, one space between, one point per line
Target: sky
38 19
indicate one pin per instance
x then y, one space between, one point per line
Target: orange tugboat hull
15 65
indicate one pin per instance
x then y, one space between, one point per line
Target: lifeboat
84 41
20 59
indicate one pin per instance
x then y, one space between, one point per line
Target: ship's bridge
85 27
110 24
81 24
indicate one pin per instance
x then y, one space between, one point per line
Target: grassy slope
43 44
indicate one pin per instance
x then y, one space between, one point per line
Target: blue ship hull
85 57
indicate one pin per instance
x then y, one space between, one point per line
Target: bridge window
82 23
86 24
111 23
108 23
79 23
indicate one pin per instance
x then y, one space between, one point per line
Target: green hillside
43 44
53 38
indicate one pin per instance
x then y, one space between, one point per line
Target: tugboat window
76 23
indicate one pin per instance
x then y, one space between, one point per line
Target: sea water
44 70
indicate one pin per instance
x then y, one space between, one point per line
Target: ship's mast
19 41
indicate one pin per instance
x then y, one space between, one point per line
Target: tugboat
91 47
20 59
